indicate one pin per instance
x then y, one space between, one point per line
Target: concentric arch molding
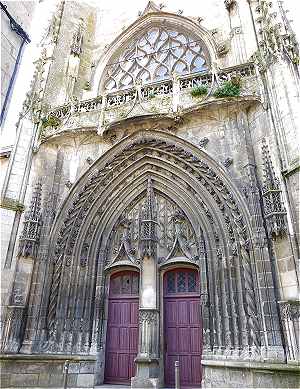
191 177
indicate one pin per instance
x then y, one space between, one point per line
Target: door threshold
112 386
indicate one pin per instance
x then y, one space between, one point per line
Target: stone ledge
252 365
47 357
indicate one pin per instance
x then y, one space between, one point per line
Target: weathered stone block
4 379
85 380
21 380
56 380
44 379
74 367
87 367
72 378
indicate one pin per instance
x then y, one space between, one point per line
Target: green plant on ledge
50 121
231 88
199 90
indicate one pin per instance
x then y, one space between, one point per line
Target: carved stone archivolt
200 217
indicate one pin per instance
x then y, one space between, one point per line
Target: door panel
182 327
122 329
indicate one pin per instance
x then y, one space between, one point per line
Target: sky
42 17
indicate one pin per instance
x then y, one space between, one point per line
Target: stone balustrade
166 97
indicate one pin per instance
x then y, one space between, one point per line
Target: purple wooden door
122 327
183 329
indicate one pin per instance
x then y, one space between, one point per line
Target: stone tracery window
154 56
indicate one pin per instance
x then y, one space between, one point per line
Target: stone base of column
11 336
147 373
26 347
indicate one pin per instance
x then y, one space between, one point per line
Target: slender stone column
147 360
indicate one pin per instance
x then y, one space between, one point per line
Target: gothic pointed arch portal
199 218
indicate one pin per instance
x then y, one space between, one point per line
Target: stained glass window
154 56
181 282
171 283
192 282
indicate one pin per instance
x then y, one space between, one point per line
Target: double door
182 327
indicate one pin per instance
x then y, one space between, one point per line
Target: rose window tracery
154 56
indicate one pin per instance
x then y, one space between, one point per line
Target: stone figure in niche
74 60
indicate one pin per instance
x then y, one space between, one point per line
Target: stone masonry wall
22 12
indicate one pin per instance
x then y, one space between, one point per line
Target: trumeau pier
152 201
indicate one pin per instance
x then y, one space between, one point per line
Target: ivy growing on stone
230 88
50 121
199 90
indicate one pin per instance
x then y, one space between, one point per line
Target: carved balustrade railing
159 98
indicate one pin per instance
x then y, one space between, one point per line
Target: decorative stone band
124 97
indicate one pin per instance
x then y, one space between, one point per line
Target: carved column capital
148 316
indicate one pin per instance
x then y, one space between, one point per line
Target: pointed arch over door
210 206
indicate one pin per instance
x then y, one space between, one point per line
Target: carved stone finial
148 221
68 184
89 160
203 142
273 207
151 7
229 4
31 231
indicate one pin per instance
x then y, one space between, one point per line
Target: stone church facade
151 202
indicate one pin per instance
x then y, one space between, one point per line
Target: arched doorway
122 327
182 326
